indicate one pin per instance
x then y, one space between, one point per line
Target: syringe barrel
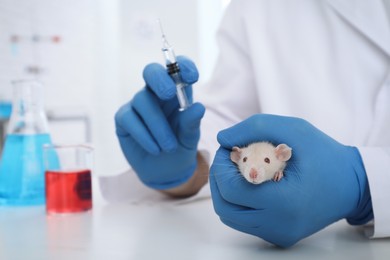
169 55
184 102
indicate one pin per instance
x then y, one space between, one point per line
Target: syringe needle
161 28
166 45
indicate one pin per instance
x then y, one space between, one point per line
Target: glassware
68 178
21 166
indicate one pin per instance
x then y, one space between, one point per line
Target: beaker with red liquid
68 183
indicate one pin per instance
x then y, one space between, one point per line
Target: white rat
261 161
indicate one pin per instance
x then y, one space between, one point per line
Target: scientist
312 74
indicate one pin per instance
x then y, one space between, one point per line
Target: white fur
255 154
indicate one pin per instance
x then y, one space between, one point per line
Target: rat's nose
253 173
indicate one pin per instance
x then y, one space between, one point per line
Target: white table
161 228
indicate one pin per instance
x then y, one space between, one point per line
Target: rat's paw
278 176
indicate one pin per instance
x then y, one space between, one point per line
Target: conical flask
21 165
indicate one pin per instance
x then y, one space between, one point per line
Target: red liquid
68 191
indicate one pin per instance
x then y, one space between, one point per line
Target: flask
21 166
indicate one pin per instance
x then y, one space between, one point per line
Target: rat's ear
235 154
283 152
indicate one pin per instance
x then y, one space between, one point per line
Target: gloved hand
324 181
158 141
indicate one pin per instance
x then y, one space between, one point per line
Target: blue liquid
5 109
22 170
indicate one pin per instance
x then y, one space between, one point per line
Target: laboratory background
89 55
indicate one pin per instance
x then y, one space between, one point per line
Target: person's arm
195 183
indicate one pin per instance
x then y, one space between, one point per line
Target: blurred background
89 54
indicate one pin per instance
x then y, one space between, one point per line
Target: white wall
98 64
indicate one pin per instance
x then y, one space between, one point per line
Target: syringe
174 71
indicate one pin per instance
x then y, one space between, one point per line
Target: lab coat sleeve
376 159
377 165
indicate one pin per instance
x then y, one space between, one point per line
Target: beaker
68 178
21 166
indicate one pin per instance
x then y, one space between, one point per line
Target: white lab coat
327 61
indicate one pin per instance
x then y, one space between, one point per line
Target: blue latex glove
158 140
324 182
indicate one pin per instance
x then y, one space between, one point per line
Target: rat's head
260 161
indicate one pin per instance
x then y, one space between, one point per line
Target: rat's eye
266 160
244 159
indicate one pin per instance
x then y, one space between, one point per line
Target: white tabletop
162 229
